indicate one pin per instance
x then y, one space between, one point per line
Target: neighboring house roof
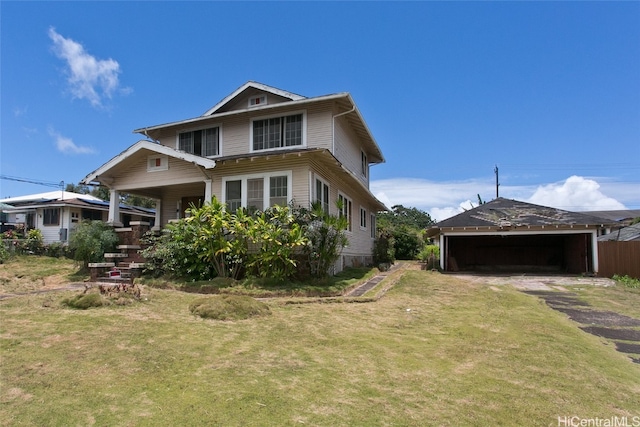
51 195
97 204
290 100
503 213
154 148
617 215
624 234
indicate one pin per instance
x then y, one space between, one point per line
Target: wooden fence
622 258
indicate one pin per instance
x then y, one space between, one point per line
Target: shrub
85 301
430 254
326 236
383 249
4 253
91 240
55 250
228 307
34 242
627 281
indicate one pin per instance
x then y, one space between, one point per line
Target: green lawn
433 351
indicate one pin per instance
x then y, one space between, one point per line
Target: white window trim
350 217
261 95
364 164
363 210
266 189
271 116
211 126
372 224
164 163
315 190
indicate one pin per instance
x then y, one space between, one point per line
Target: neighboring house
57 213
508 235
619 217
623 234
258 147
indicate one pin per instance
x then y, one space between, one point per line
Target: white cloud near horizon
67 146
445 199
88 77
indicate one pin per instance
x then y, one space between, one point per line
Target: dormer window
277 132
201 142
256 101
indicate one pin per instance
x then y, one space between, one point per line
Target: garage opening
540 253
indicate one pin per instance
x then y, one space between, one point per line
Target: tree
406 226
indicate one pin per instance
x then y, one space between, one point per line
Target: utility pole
497 182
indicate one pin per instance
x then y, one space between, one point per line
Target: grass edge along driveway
434 351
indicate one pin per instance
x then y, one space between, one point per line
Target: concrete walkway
373 282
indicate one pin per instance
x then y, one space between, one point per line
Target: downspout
333 129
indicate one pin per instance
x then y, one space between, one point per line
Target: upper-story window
277 132
201 142
364 164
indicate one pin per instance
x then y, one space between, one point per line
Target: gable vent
256 101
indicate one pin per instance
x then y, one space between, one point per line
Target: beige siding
235 130
137 176
360 241
348 150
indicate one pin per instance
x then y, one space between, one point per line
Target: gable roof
154 148
346 103
252 85
503 212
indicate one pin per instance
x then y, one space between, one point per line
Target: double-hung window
201 142
51 216
322 195
363 218
345 209
257 192
277 132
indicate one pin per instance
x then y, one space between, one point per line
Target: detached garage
511 236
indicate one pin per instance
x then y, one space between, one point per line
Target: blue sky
547 91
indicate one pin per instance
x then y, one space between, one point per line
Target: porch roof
152 147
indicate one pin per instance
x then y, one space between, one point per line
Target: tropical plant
275 235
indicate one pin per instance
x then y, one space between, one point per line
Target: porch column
114 208
594 252
208 190
443 252
156 226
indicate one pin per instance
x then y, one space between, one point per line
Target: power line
59 185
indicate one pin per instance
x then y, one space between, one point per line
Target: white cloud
66 145
89 78
445 199
575 193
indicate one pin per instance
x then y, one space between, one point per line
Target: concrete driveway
526 282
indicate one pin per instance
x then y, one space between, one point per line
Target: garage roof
503 212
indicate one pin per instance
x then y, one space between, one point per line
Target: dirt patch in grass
594 317
628 348
614 334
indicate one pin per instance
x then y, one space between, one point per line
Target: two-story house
258 147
